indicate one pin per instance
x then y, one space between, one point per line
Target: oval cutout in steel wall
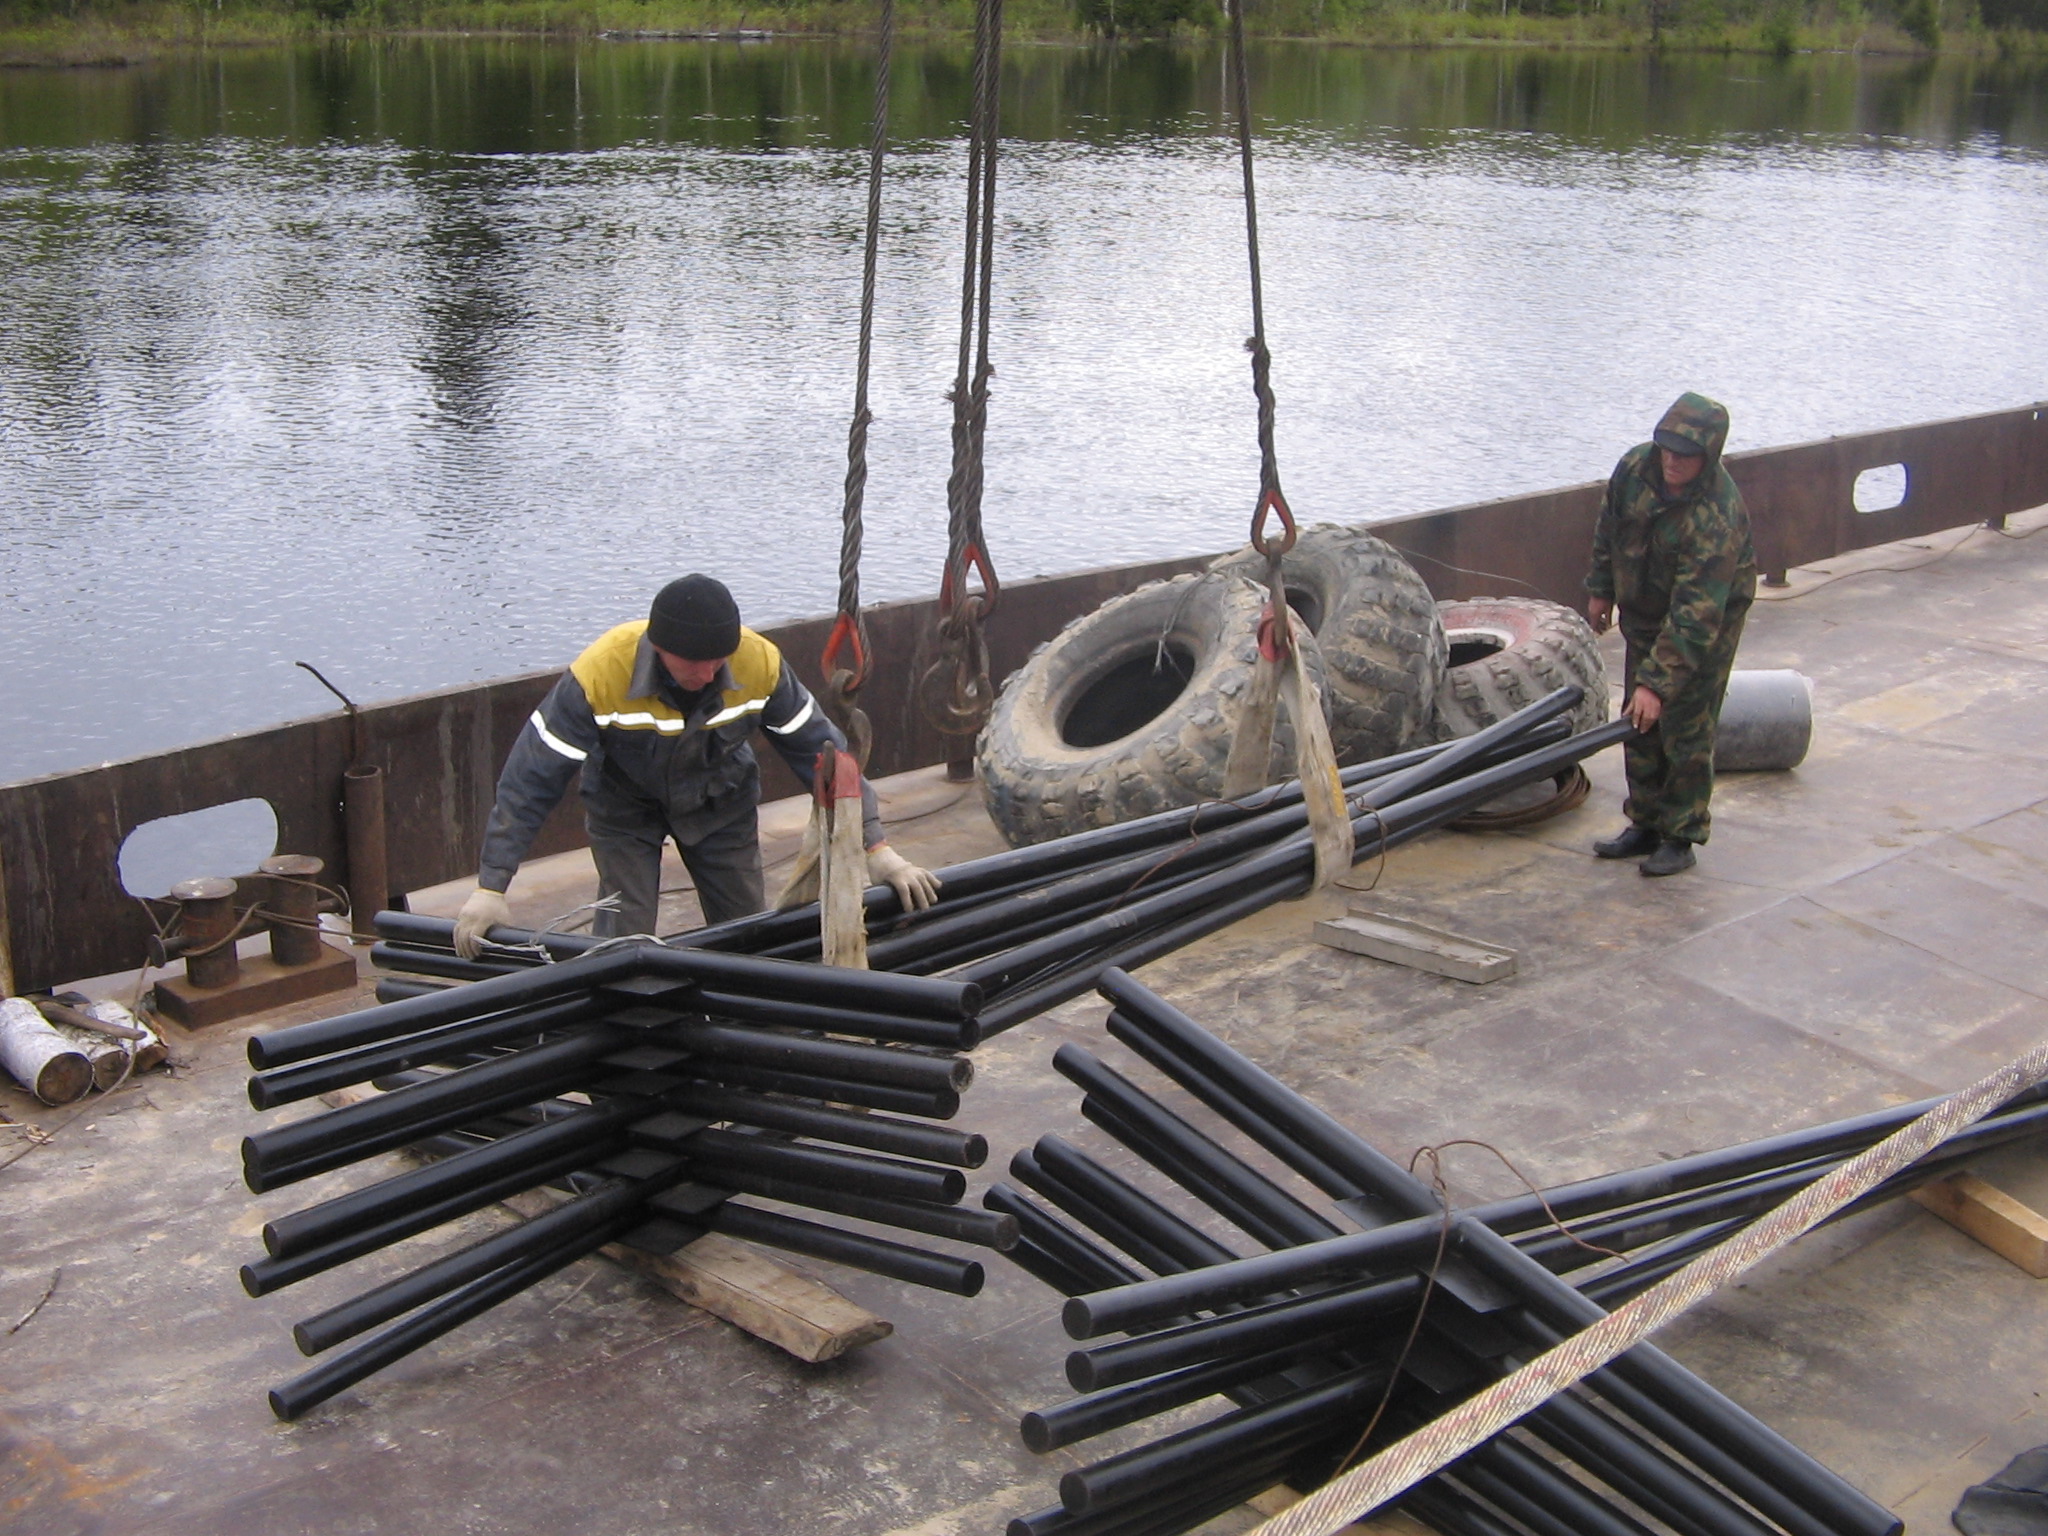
227 840
1881 488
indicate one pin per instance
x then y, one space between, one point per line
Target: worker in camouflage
1672 552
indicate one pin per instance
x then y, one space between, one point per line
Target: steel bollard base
262 983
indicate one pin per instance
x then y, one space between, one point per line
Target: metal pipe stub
206 921
293 904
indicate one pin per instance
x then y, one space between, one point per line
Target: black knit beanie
695 617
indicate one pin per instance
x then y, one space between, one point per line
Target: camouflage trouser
1671 770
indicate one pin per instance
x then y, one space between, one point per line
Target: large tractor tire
1377 626
1128 710
1506 652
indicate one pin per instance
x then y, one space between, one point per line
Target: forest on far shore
113 32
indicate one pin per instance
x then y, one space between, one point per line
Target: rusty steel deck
1865 930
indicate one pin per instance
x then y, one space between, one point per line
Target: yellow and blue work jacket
644 747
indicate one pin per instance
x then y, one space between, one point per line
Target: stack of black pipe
1329 1330
652 1085
1034 927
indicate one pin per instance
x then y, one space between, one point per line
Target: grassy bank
131 31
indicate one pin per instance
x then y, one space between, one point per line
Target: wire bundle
666 1091
1332 1342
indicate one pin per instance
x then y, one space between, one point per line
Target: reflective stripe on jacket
638 741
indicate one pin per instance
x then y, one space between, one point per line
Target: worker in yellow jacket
657 718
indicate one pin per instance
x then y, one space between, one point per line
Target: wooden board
728 1279
2009 1229
1411 944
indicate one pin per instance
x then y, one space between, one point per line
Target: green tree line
86 31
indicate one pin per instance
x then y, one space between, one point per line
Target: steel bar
898 1261
877 1133
1190 1150
430 1322
1026 1169
855 1172
1130 1208
1082 1418
1066 1247
286 1085
591 1133
1294 1320
264 1176
423 1108
844 1060
955 1034
984 1229
1675 1431
905 1101
1147 1469
273 1274
436 962
916 996
540 1234
1639 1472
1220 1198
1651 1371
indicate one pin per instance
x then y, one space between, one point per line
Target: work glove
483 911
915 888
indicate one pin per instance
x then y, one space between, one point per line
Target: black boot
1673 855
1632 843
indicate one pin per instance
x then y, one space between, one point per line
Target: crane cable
955 690
843 680
1280 673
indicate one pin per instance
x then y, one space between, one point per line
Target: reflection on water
426 360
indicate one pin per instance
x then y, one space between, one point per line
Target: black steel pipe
1082 1418
1396 1245
593 1132
902 1101
1074 1253
1640 1473
1160 1464
264 1176
274 1274
1026 1170
1217 1098
445 963
1129 1206
897 1261
959 1034
396 989
1294 1320
917 996
877 1133
841 1060
857 1173
287 1085
424 1107
1647 1368
1190 1150
542 1234
1542 1496
430 1322
984 1229
1247 1218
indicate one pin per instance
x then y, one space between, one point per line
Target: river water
425 361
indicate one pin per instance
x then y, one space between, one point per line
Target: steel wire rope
955 690
849 627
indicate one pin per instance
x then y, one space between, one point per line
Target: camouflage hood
1694 424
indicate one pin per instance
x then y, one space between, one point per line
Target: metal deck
1865 930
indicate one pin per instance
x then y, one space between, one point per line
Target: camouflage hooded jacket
1679 565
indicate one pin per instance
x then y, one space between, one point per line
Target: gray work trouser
725 864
